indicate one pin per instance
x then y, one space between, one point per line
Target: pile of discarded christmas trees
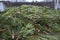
28 22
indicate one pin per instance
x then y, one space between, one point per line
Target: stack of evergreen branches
27 22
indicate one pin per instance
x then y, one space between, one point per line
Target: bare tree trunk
18 37
12 35
16 0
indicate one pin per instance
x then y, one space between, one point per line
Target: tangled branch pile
27 21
